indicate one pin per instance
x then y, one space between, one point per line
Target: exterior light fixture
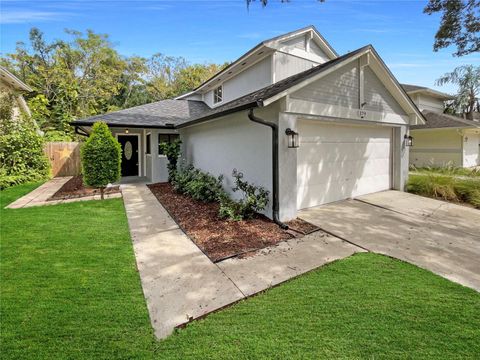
408 140
292 138
126 131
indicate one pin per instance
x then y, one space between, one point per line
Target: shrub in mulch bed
74 188
217 238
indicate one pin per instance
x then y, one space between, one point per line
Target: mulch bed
302 226
74 188
217 238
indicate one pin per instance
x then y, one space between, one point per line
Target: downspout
275 175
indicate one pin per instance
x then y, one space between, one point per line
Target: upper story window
218 94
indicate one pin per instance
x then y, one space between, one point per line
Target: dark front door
129 154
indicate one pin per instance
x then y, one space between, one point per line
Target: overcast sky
219 31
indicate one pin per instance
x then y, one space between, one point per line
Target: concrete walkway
438 236
180 283
40 196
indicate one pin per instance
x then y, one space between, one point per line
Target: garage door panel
337 162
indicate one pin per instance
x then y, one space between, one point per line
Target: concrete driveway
438 236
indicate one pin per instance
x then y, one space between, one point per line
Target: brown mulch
217 238
74 188
302 226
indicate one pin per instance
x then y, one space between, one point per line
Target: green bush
172 152
254 200
199 185
101 158
21 148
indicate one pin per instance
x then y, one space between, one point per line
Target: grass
450 184
70 291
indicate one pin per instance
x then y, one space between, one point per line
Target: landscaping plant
21 147
172 151
254 200
101 158
197 184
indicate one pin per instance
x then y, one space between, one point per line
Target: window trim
169 141
213 92
148 151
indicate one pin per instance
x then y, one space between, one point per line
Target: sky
219 31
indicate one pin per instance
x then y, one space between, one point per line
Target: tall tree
467 78
71 79
459 25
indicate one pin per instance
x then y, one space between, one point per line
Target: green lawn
69 289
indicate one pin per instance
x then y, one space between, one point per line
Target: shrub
101 158
197 184
447 188
172 152
254 200
21 148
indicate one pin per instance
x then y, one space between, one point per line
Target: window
148 144
165 138
218 94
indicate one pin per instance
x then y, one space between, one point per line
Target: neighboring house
11 85
350 114
443 139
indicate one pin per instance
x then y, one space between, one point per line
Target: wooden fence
64 158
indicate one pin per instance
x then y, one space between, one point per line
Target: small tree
101 158
172 152
467 78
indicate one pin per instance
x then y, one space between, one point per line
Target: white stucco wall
436 147
471 148
232 142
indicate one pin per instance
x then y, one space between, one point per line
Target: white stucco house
348 114
443 139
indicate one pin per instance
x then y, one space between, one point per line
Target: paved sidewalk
40 196
179 282
276 264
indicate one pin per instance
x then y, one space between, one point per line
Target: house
11 85
444 139
295 117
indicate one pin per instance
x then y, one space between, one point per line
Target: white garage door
336 162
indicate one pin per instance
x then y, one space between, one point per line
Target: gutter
275 175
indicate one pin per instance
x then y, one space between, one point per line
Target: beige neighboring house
10 84
443 139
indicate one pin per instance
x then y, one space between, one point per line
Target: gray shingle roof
164 113
179 113
437 120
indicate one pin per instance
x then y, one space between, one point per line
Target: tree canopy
85 76
459 25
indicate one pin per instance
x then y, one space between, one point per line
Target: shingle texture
408 87
183 112
438 120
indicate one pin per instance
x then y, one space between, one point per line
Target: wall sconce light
126 131
292 138
408 140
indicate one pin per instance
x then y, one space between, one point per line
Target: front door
129 145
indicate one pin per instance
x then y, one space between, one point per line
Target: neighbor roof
180 113
437 121
412 89
12 80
